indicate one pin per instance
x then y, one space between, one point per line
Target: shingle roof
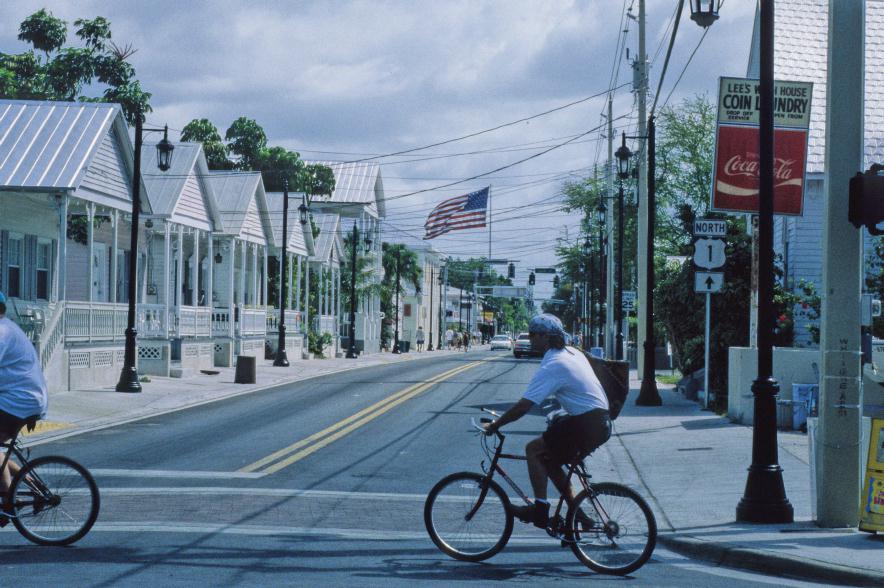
355 183
49 145
800 54
297 243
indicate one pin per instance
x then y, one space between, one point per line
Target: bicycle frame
33 480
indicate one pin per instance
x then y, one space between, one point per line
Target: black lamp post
129 374
764 500
623 156
351 348
441 310
396 309
601 211
587 296
281 359
432 279
705 12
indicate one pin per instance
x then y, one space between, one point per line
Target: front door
100 272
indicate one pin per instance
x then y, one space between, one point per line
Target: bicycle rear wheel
461 529
613 529
55 499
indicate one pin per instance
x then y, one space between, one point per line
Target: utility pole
444 326
609 237
640 83
432 279
839 442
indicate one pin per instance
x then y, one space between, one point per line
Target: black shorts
570 437
10 424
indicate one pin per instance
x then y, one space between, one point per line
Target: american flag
461 212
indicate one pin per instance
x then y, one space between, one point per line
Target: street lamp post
351 331
764 500
587 299
441 310
601 211
623 156
396 308
128 381
432 279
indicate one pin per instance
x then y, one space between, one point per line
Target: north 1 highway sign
708 282
709 253
710 227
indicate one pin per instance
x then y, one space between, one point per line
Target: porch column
307 299
179 294
242 276
115 221
337 282
255 275
195 270
61 264
210 271
167 274
264 295
288 291
90 217
231 301
298 286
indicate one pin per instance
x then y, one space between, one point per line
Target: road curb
768 562
58 434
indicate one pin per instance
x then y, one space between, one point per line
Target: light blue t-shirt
566 373
22 387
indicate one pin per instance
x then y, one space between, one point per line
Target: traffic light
866 202
511 271
531 279
556 282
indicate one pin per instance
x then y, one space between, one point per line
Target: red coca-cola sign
736 175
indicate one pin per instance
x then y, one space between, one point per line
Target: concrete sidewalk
692 466
78 411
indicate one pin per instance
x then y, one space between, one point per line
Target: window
14 264
43 265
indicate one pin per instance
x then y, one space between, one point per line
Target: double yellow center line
301 449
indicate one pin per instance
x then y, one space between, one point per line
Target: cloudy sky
346 80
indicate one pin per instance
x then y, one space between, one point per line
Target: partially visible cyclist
566 374
23 398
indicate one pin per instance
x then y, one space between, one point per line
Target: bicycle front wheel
55 499
613 529
468 517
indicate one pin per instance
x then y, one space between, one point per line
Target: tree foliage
62 73
511 313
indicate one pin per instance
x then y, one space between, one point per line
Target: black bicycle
52 500
609 527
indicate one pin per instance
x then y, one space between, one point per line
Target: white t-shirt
568 375
22 387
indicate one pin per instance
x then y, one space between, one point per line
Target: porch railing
292 321
325 323
52 334
193 321
252 321
150 321
220 318
95 321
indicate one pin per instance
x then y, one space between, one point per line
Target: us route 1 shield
709 253
708 282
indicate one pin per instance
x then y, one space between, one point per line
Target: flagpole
489 224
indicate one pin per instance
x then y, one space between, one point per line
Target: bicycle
609 527
52 500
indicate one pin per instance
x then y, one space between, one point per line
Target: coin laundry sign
736 172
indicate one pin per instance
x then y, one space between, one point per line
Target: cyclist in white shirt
566 374
23 398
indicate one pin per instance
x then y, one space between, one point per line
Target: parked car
522 346
501 342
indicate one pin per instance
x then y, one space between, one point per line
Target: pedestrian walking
419 339
449 336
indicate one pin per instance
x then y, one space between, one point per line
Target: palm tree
400 262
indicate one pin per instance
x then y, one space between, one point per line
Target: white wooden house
65 200
242 247
359 195
300 247
175 304
325 269
801 40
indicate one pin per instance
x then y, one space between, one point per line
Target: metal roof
329 236
297 243
164 188
800 54
49 145
356 183
233 192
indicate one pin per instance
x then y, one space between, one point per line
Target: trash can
404 346
246 370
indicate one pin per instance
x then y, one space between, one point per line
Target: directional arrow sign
710 282
709 253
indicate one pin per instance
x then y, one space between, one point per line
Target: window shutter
53 293
29 267
4 250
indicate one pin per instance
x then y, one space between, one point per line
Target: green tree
400 265
246 139
63 72
203 131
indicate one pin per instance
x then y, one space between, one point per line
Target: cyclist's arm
515 412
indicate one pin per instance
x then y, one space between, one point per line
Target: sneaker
523 513
541 514
582 521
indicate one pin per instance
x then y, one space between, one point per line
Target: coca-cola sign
735 181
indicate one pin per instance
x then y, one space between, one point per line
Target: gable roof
800 54
328 244
356 183
48 146
297 242
166 188
237 192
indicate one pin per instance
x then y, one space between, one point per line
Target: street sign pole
706 352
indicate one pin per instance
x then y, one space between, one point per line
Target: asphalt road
315 483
